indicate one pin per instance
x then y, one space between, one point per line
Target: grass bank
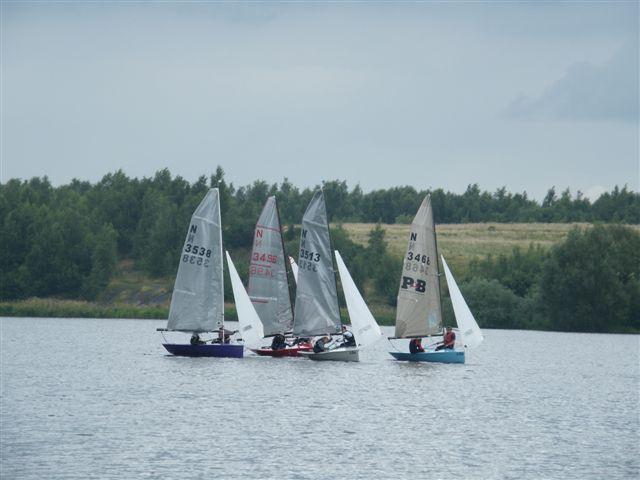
50 307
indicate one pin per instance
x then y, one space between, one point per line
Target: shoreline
57 308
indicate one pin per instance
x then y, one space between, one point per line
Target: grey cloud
588 92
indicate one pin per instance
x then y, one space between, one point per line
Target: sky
526 95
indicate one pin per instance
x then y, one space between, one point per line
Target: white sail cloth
467 325
316 309
419 311
197 302
294 268
268 287
250 325
363 326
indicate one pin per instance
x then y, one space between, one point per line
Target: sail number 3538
196 255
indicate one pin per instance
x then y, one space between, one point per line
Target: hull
210 350
442 356
337 355
284 352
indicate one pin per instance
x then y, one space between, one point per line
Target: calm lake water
84 399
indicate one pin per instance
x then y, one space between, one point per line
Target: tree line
65 241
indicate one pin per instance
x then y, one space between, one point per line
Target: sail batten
419 310
268 285
316 307
197 302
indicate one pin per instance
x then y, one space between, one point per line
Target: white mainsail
197 302
268 286
419 310
364 326
467 325
250 324
316 309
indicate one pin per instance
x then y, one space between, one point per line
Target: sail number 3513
308 260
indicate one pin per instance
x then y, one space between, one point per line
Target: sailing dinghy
197 302
268 282
316 310
419 310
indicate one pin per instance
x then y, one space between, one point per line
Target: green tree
103 261
590 282
493 305
384 269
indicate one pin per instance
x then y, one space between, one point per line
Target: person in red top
415 346
448 341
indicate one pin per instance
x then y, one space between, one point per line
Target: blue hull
442 356
211 350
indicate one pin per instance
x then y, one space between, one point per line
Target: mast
285 259
333 262
435 239
221 268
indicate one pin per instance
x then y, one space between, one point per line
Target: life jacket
415 347
318 346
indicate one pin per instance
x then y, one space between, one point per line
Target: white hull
337 355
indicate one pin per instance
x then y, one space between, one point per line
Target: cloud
589 92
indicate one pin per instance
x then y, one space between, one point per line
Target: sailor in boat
321 344
415 345
449 340
278 342
196 340
348 340
224 336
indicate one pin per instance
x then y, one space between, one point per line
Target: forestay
419 312
467 325
197 303
364 326
268 286
250 325
316 309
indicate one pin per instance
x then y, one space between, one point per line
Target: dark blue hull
209 350
441 356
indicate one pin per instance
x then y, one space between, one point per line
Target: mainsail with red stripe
268 286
